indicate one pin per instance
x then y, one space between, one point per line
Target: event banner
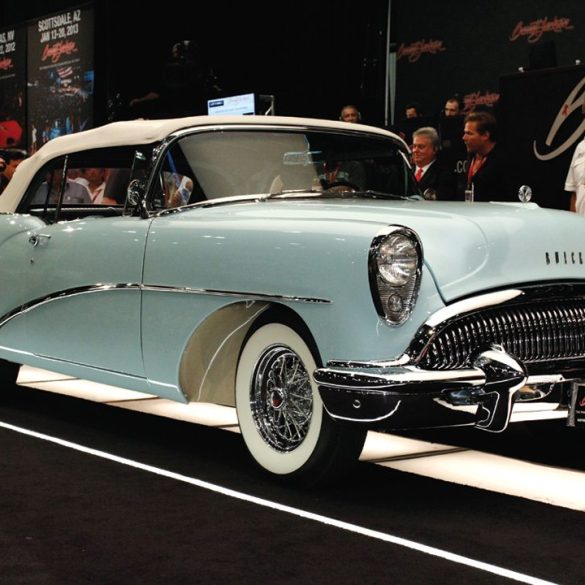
60 74
12 87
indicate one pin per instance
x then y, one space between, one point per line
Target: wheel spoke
281 398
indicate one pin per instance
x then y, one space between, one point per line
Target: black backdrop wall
315 57
464 47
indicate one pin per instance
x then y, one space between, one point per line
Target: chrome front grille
533 332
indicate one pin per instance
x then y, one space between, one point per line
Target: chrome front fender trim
231 293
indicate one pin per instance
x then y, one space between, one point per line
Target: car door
82 282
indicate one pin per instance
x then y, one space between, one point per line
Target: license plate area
577 405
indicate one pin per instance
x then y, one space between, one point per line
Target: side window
92 182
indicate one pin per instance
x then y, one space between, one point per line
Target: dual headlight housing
395 265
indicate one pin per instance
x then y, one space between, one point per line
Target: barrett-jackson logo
6 64
573 102
414 51
471 100
54 52
534 30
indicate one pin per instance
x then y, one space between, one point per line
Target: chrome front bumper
402 397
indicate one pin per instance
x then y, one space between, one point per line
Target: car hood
471 247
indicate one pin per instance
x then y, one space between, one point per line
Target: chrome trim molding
472 304
401 381
366 420
96 288
239 294
72 292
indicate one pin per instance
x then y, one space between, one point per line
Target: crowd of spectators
454 155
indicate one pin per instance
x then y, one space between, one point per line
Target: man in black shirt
434 179
488 175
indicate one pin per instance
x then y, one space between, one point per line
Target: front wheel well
286 316
208 365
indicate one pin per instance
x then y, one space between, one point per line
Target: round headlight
397 259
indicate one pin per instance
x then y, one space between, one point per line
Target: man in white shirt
575 181
93 181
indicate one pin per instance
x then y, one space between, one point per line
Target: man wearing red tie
434 180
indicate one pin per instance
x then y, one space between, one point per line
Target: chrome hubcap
281 398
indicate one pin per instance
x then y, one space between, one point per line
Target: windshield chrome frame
161 149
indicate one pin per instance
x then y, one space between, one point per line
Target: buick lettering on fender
290 269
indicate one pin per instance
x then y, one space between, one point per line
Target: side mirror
135 198
134 193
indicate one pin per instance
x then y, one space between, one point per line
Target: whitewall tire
280 412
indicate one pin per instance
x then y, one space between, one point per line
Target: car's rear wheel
8 373
280 412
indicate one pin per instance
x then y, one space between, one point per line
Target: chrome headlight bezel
395 268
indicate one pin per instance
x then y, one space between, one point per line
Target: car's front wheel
280 412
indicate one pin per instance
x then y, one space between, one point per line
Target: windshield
213 165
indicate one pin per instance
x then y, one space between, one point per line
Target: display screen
237 105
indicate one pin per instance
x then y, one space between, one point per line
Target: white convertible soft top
137 132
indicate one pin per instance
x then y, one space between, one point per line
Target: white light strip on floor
514 477
389 538
541 483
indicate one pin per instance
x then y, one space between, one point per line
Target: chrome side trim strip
72 292
227 293
95 288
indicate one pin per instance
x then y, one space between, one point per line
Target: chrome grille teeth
536 332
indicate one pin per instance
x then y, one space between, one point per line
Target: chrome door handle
38 239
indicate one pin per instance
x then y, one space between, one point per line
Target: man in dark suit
489 175
434 179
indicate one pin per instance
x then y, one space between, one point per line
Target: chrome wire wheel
281 398
280 412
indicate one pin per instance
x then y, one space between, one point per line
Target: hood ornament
525 194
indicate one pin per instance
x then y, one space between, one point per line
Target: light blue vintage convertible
289 268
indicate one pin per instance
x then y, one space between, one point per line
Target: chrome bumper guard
409 397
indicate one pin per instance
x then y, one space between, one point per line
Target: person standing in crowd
8 163
434 180
488 175
93 179
575 181
413 110
185 84
453 107
351 114
50 190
